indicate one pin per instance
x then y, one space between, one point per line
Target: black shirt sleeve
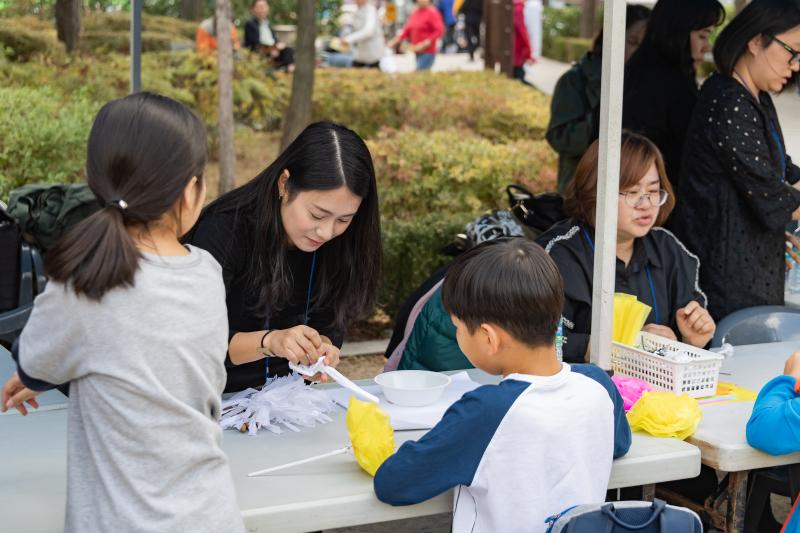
742 144
577 306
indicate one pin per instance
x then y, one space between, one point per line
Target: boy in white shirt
545 437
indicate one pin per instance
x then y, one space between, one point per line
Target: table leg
648 492
737 501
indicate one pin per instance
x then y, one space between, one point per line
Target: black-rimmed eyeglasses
795 59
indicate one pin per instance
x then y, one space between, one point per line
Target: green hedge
412 252
20 43
44 136
453 171
568 49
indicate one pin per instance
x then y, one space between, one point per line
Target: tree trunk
68 23
192 9
298 116
498 16
588 18
227 154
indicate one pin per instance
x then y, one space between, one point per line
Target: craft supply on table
412 388
631 389
664 414
668 365
338 377
408 418
285 402
629 317
371 439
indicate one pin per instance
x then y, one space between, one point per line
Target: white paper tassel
285 402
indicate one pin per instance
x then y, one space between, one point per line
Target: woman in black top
660 78
652 264
736 193
300 252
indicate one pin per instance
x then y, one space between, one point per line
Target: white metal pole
608 181
136 46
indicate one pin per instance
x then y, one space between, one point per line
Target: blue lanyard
777 138
308 303
646 270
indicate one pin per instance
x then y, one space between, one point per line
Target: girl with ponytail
135 323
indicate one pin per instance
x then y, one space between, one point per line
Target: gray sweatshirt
145 366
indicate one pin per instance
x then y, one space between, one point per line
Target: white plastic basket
697 377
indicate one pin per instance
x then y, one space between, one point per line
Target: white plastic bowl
412 388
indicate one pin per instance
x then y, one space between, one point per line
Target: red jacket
522 43
424 23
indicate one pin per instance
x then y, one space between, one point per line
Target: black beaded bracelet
263 338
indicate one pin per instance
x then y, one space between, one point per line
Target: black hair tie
122 205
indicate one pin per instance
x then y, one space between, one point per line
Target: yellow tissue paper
371 434
629 317
664 414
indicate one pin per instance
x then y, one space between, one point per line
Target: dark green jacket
575 115
432 343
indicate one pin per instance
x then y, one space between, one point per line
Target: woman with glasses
661 77
652 264
739 187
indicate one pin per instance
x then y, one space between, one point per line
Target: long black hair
634 13
667 37
325 156
142 152
767 18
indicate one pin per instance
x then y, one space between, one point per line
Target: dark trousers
472 29
285 58
449 37
519 74
359 64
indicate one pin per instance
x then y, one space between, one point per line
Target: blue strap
653 294
646 269
308 304
777 138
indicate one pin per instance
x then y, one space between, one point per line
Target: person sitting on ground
367 37
205 38
524 436
423 28
259 37
652 264
575 107
774 426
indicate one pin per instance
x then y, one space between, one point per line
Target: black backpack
45 211
10 241
536 211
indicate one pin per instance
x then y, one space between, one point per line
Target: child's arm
622 431
774 426
449 454
51 347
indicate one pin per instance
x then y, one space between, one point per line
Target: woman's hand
300 345
661 331
331 354
15 395
695 324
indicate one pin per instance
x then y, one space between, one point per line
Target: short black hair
512 283
767 18
634 13
668 29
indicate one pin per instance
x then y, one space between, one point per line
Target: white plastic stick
349 385
300 462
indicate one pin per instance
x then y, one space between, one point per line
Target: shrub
453 171
44 136
559 22
21 43
493 106
412 251
115 41
569 49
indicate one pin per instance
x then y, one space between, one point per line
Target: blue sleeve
449 454
774 426
622 431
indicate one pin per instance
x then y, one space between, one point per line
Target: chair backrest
758 325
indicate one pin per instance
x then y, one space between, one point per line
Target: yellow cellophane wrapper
629 317
664 414
371 434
